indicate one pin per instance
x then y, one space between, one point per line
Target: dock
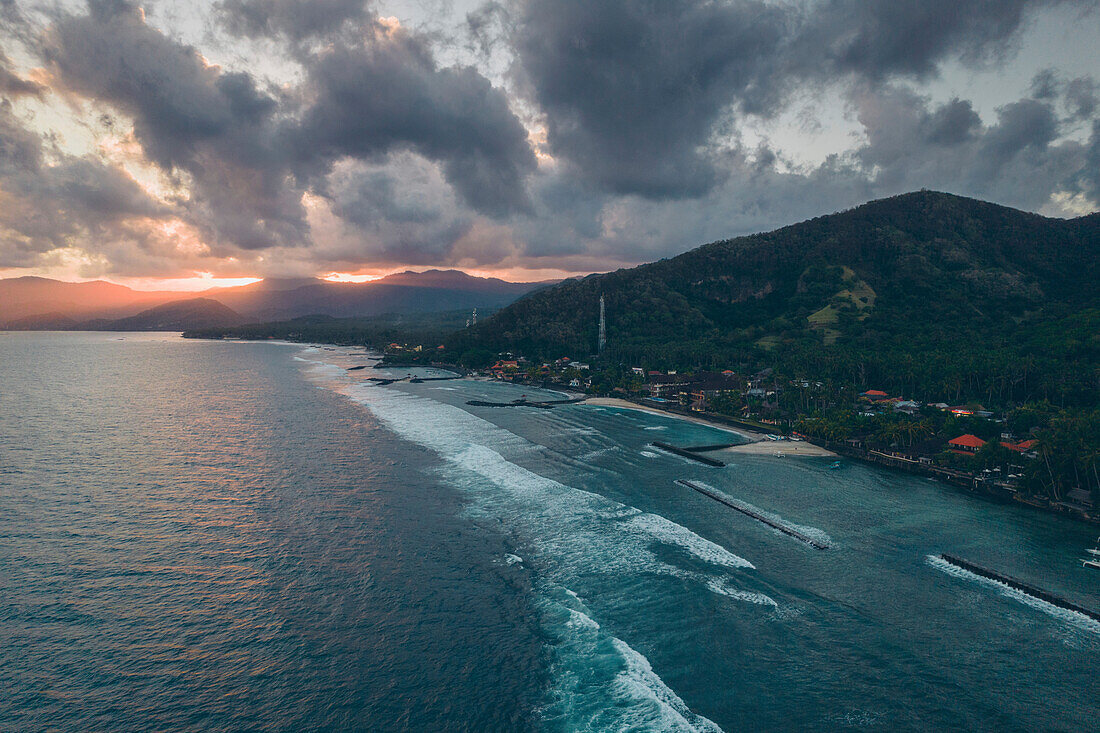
755 515
1019 585
687 453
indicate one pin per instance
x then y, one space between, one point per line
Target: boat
1091 564
1094 550
835 465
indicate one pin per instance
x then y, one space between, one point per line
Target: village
983 450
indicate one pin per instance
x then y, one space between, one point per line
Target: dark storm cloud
1089 176
632 91
387 94
177 101
952 123
12 85
246 156
20 149
47 205
294 19
880 38
189 117
1017 159
1081 98
379 152
403 209
639 96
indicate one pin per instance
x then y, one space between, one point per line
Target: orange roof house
966 443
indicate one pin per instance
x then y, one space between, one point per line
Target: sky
187 143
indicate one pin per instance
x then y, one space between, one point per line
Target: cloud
632 92
400 210
341 140
881 38
645 98
388 94
1019 158
12 85
217 129
51 200
294 19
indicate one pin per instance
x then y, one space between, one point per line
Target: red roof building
968 443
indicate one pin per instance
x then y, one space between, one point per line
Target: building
966 444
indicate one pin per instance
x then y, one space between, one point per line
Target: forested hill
925 291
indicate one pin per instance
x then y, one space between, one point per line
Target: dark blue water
240 536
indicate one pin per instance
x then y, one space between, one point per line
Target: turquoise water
245 536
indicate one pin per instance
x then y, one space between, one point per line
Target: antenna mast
603 326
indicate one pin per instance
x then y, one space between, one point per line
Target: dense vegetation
412 329
923 294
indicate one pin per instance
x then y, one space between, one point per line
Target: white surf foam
1079 620
580 619
575 533
675 534
605 684
638 680
590 455
722 588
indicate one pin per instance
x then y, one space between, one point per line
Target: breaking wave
571 533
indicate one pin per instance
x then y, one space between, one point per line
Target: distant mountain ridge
41 303
178 315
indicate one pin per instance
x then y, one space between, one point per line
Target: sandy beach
771 448
759 446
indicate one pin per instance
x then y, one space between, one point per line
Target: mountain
22 299
177 316
895 291
410 292
40 303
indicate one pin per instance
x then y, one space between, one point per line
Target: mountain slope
410 292
917 274
24 298
178 316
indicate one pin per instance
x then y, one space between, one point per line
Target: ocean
242 536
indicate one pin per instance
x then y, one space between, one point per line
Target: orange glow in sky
202 281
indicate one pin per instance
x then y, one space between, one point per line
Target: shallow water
228 536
